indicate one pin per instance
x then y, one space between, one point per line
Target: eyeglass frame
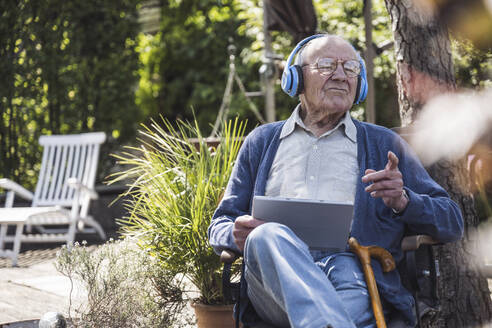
338 60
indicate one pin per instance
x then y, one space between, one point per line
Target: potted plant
177 182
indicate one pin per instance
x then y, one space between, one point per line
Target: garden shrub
124 286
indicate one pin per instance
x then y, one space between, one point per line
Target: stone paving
33 288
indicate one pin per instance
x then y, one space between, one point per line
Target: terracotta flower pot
214 316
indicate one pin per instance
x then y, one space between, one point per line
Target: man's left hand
387 184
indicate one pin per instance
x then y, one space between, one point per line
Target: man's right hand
243 225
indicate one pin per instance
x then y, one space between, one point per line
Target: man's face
328 93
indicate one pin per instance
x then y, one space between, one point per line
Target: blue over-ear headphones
292 80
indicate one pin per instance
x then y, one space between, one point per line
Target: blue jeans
289 286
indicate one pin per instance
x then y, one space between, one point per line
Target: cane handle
364 254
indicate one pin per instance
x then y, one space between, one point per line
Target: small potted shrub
177 182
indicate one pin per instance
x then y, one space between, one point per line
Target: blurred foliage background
67 67
85 65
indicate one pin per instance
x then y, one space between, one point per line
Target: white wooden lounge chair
63 192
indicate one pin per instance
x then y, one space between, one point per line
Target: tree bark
369 58
424 70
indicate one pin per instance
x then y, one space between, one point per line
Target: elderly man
320 152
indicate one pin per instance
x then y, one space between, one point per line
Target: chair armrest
422 272
8 184
76 184
229 256
231 290
412 243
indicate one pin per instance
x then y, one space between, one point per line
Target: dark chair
419 272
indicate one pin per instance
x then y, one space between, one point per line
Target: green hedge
67 67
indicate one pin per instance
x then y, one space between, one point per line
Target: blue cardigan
430 210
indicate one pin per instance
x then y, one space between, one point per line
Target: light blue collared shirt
310 167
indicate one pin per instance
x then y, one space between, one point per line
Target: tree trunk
425 69
369 58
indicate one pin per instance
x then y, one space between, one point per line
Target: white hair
299 59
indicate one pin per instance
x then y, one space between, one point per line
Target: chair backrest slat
83 159
74 168
64 157
92 164
90 174
42 172
54 172
60 180
47 175
95 159
64 190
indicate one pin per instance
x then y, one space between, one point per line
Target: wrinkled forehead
330 46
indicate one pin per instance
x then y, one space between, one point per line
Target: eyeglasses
327 66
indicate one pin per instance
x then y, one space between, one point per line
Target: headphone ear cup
363 89
357 91
286 83
292 82
300 80
295 81
361 82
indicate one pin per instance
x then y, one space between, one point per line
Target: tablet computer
322 225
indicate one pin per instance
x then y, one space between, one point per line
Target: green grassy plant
177 182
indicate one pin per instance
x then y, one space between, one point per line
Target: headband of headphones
292 80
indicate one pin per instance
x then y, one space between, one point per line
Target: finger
244 225
251 223
386 194
366 173
385 185
255 222
240 234
240 244
382 175
392 161
246 221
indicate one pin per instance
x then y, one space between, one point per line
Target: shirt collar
295 118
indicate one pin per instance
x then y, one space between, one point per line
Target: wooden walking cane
364 254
